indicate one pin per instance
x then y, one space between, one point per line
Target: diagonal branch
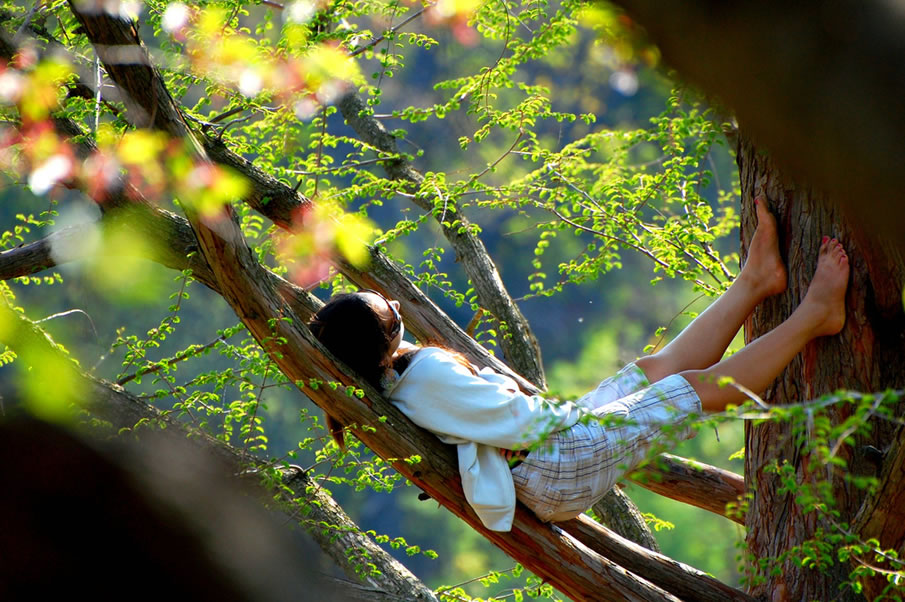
517 341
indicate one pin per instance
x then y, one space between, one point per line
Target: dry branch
682 580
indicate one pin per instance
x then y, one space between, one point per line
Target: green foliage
486 101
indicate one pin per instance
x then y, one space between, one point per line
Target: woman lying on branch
569 456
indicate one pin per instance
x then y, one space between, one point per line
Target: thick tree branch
268 195
682 580
617 511
518 342
690 482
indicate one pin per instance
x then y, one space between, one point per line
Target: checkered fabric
566 474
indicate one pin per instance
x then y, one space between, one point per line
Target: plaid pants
572 469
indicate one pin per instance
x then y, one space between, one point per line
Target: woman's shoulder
430 355
424 365
428 362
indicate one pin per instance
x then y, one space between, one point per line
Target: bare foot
826 295
764 268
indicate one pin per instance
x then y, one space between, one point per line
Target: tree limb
680 579
690 482
516 339
617 511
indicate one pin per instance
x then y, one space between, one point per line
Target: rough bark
866 356
617 512
684 581
707 487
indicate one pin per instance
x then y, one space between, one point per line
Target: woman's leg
705 340
757 364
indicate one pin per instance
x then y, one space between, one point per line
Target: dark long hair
353 332
348 326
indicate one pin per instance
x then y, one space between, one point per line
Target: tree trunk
868 355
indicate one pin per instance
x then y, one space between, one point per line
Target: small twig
97 92
445 202
166 363
320 147
230 123
629 244
63 314
673 319
341 167
500 158
851 430
254 414
226 114
390 31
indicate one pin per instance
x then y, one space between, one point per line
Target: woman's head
362 329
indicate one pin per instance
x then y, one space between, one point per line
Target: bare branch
682 580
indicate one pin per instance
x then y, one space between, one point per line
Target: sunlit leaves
322 230
41 91
228 56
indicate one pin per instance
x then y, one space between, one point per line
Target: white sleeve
443 396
